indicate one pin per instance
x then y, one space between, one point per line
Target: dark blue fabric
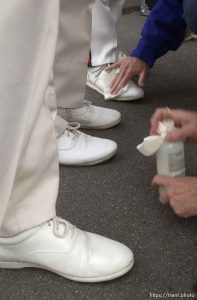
164 30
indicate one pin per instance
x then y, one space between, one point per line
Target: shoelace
72 127
120 55
100 70
56 222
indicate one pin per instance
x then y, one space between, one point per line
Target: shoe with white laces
91 116
76 148
60 247
98 79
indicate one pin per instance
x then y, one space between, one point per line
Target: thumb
161 180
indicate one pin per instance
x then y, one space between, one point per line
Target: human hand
128 67
180 194
185 121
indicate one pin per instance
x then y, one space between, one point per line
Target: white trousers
105 17
29 172
73 52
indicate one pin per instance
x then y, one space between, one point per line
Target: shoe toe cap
109 257
106 147
106 117
134 93
101 149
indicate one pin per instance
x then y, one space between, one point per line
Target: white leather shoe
76 148
59 247
100 80
92 117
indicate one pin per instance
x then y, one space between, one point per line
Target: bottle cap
168 124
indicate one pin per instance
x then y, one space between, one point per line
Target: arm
164 30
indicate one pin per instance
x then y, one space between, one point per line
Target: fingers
162 180
159 115
128 67
178 134
165 113
120 80
166 187
116 80
180 117
164 199
112 67
120 83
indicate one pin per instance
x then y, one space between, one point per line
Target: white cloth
104 44
152 143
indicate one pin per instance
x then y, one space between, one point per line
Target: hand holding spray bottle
169 155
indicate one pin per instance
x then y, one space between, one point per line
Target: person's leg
104 50
30 234
28 174
190 14
70 73
72 52
104 43
72 58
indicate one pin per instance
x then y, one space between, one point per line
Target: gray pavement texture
116 199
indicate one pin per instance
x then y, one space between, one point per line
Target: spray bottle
169 155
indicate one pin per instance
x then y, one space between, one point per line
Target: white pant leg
72 52
116 8
28 162
104 43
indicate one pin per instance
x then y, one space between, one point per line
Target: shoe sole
96 88
97 162
20 265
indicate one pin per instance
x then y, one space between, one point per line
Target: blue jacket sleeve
164 30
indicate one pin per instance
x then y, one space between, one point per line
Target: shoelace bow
72 127
56 222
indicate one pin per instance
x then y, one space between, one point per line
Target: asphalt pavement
116 198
